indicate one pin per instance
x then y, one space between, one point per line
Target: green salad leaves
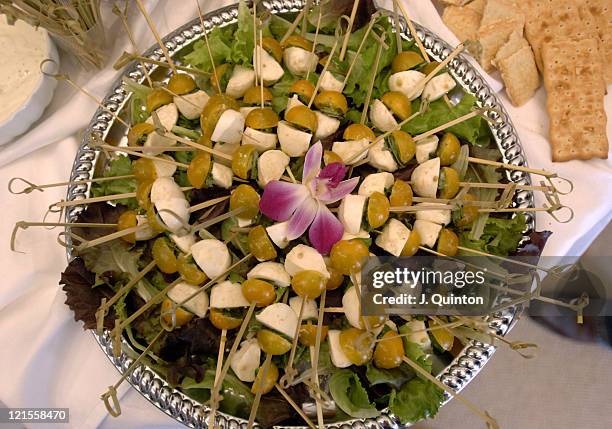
232 44
119 166
350 396
416 400
500 236
474 130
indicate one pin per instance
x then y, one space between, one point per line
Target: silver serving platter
89 162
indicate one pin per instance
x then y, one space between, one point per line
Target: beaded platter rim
457 374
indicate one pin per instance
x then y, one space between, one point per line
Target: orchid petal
334 172
302 218
329 195
325 231
312 162
281 199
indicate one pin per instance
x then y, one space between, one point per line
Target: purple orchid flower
305 204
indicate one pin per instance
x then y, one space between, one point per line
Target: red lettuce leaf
82 298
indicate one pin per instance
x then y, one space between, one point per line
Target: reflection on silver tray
89 161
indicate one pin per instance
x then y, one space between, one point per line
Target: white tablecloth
47 360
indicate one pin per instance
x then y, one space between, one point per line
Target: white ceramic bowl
33 107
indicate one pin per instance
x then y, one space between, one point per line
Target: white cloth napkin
46 359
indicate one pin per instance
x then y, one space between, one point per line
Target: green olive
429 67
262 119
451 183
469 212
405 145
217 104
398 103
181 83
449 149
332 103
358 132
157 98
303 117
252 96
304 90
448 242
273 47
405 60
138 131
297 41
242 160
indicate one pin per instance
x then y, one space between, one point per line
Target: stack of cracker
568 41
497 26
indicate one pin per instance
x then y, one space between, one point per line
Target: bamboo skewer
34 187
126 57
381 138
265 367
214 394
412 30
366 105
139 155
295 406
315 358
307 7
347 35
82 90
198 146
293 26
396 23
361 45
482 414
210 56
124 20
290 371
103 309
207 204
153 29
104 198
213 408
472 114
114 409
25 225
327 63
316 36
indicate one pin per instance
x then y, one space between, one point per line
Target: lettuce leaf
361 76
394 377
237 397
82 297
500 236
220 41
416 400
138 100
232 44
475 130
243 43
120 166
350 396
414 351
280 92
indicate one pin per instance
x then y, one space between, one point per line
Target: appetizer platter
234 180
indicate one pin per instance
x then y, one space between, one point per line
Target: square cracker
520 74
547 20
477 6
492 37
597 14
573 73
500 10
462 21
514 44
